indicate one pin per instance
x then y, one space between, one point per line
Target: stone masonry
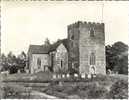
87 47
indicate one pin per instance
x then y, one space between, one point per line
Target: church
83 50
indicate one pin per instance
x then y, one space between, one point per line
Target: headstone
68 75
33 77
27 71
59 76
54 76
60 84
94 75
19 71
63 76
75 75
83 75
89 76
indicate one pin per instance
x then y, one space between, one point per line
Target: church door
92 63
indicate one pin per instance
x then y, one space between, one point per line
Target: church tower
87 47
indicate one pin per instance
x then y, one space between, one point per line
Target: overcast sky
25 23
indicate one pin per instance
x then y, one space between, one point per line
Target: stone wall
44 62
82 44
92 44
61 59
73 37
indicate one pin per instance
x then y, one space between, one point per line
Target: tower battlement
84 23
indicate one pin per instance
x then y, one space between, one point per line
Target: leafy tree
13 63
117 57
47 42
21 61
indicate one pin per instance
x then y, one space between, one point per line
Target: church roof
55 45
45 49
39 49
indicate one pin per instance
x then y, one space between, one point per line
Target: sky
30 22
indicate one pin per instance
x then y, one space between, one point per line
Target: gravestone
63 76
59 76
54 76
89 76
83 75
68 75
75 75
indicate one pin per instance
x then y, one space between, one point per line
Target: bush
15 92
119 90
96 92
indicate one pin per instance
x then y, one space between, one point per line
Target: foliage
13 63
117 57
119 90
15 91
47 42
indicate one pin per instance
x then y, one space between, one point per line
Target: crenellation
86 45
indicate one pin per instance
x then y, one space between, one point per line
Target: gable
61 48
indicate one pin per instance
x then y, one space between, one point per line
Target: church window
61 63
92 59
39 63
92 32
72 37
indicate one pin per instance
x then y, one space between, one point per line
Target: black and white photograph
64 49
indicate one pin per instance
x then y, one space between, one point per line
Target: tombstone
75 75
33 77
63 76
83 75
89 76
94 75
19 71
27 71
59 76
68 75
54 76
60 83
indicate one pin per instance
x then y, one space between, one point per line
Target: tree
21 61
47 42
13 63
117 57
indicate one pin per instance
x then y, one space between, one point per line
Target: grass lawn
35 78
101 87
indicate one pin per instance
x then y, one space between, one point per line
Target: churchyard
48 85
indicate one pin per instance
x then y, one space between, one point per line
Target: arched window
92 59
92 32
39 63
72 37
61 63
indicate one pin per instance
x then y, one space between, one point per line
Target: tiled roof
39 49
43 49
55 45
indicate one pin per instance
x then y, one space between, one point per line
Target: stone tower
87 47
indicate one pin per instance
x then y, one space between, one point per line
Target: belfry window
92 59
92 32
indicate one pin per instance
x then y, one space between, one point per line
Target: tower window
92 32
92 59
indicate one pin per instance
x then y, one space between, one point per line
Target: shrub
15 92
95 91
119 90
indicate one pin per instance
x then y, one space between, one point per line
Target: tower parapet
81 23
87 47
